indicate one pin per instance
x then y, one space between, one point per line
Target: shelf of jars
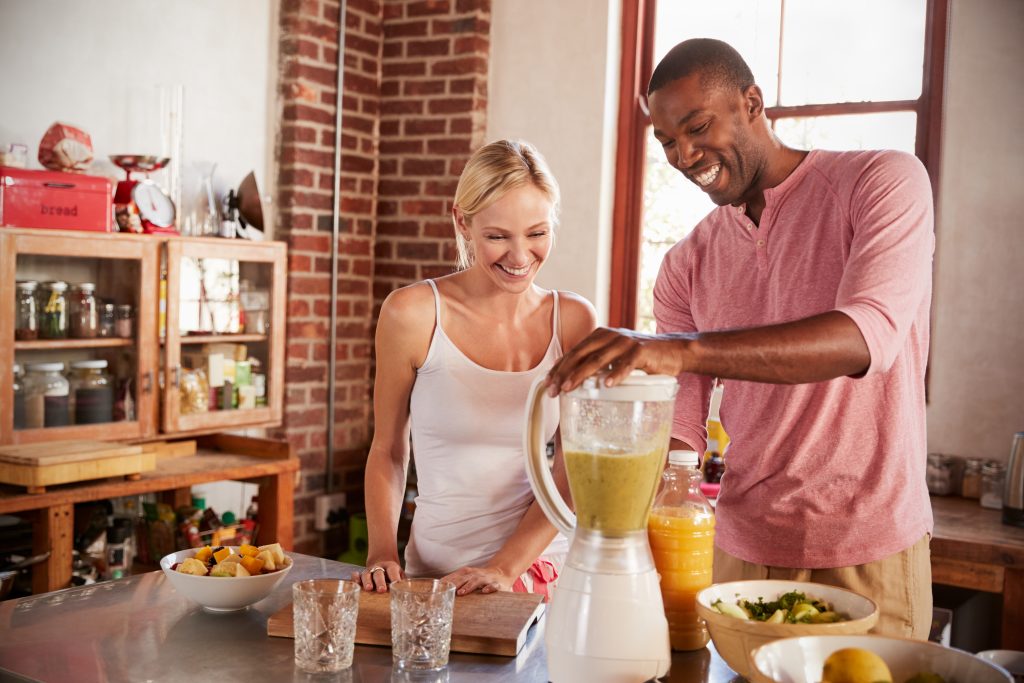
82 362
94 355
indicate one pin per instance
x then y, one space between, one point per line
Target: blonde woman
455 359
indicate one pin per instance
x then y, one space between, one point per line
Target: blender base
606 627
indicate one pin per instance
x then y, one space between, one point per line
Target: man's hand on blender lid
612 352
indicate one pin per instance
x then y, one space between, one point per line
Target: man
807 291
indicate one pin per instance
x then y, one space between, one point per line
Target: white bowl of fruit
226 578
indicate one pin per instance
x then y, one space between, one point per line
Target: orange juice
682 542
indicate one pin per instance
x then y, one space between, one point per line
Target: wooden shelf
62 344
220 338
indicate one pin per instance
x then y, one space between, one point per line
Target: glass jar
939 474
970 486
26 324
993 475
125 320
92 392
46 396
107 320
53 319
19 398
85 319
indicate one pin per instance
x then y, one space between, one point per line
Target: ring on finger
377 569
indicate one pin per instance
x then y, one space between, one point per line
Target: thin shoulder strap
437 303
556 321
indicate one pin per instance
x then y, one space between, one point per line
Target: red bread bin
59 201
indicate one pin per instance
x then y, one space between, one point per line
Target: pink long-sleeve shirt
828 474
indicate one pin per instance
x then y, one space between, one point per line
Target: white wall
977 361
554 82
96 64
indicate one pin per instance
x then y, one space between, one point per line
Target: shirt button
750 228
760 243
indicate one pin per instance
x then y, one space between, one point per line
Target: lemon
855 665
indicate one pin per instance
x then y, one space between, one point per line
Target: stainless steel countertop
139 629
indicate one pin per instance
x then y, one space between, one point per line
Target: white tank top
467 443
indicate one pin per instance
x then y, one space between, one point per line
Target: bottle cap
683 458
228 517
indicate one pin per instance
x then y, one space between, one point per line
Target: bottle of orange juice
681 530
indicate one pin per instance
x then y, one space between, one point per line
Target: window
837 75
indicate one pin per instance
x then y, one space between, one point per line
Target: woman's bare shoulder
408 314
578 318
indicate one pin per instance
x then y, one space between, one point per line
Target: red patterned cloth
541 577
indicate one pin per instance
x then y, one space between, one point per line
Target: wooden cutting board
43 464
492 623
58 452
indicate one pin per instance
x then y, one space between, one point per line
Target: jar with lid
26 324
85 320
939 474
125 321
46 396
53 319
107 320
92 392
993 476
19 398
970 486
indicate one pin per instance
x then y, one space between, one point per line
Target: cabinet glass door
77 336
224 339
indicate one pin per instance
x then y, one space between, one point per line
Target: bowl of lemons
742 615
868 659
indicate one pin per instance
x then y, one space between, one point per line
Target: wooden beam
53 531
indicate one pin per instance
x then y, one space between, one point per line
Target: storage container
48 199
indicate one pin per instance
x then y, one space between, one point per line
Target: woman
455 360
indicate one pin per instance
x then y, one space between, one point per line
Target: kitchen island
141 629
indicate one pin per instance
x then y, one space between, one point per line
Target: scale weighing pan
145 163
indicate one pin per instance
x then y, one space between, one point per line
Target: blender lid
638 386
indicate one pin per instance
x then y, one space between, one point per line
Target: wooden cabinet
173 322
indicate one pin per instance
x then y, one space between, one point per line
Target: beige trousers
900 584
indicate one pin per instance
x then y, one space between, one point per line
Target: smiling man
807 293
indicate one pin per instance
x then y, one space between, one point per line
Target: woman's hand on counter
483 579
378 575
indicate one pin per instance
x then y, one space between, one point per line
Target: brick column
305 156
433 114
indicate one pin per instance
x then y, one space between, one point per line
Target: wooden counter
972 548
269 464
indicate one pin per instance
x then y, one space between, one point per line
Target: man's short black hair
718 63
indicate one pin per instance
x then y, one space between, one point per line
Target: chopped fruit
248 550
192 566
252 564
203 554
229 569
231 558
220 554
275 550
268 560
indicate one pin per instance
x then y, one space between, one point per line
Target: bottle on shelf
46 396
92 392
53 313
26 324
681 530
85 321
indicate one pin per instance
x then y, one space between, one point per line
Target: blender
606 621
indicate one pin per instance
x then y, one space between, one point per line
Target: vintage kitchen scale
140 206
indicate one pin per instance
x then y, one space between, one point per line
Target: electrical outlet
329 509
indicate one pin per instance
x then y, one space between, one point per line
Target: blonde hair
490 173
